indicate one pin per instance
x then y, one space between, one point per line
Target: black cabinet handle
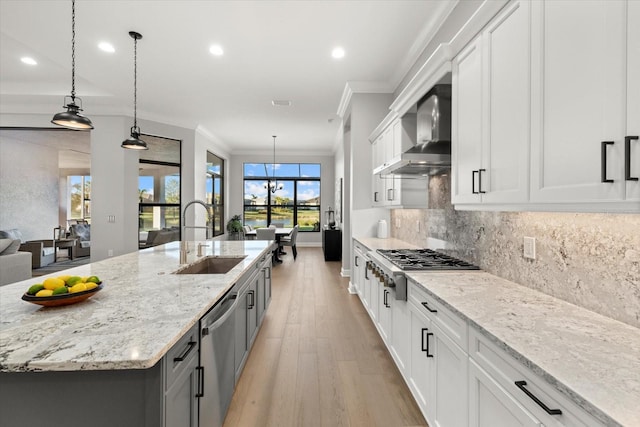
385 299
424 347
366 270
603 160
473 181
627 158
480 190
390 194
190 346
267 269
357 261
425 305
521 385
375 196
253 299
200 370
429 334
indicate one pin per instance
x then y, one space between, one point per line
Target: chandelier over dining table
272 184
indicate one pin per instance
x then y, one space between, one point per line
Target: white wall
327 184
28 188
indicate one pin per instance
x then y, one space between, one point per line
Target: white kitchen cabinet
491 406
517 387
377 184
449 402
582 105
359 264
491 112
421 368
401 335
181 382
385 301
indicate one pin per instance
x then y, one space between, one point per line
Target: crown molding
360 87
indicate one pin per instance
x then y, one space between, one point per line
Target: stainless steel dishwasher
217 347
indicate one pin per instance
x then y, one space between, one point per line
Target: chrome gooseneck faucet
184 249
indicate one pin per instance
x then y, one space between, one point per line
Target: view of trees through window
79 197
297 202
215 192
159 192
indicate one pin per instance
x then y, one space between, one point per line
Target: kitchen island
102 355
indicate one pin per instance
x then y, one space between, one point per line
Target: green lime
93 279
35 288
73 280
61 290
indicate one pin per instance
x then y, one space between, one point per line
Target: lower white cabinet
491 406
400 334
420 370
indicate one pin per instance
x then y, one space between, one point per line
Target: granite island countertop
592 359
141 312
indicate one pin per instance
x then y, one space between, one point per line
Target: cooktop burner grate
424 259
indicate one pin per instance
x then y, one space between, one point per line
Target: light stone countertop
373 243
592 359
140 313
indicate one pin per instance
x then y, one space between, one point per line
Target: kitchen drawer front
449 322
359 246
506 371
177 359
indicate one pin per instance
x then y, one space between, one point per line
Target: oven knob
386 280
390 282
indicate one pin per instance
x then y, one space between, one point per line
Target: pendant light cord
135 82
73 51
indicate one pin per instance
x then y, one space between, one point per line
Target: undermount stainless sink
211 265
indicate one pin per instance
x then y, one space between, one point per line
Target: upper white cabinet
490 112
586 101
546 109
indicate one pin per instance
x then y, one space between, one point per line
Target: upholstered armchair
82 233
42 251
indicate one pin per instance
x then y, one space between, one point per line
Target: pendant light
72 119
134 142
273 185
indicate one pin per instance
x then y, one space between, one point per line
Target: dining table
280 232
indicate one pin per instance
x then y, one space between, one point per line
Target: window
159 192
215 192
296 203
79 197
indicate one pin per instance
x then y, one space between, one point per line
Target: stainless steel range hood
432 153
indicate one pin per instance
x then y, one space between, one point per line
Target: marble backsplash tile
591 260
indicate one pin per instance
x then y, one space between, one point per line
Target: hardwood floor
318 360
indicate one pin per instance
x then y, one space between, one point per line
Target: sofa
160 237
42 251
14 265
82 233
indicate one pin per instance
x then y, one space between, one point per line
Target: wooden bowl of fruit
62 290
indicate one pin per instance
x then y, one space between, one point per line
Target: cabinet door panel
506 46
633 97
450 382
421 376
466 128
491 406
578 83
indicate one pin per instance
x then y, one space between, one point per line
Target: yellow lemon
53 283
63 277
61 290
45 293
84 279
34 289
78 287
91 285
72 280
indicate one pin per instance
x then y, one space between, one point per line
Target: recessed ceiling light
280 103
28 60
216 50
337 53
106 47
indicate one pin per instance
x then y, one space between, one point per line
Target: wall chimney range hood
432 153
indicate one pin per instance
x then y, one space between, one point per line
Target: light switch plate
529 247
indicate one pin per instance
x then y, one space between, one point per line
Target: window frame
219 207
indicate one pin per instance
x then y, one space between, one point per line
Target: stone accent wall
591 260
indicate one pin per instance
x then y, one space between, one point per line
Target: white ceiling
274 50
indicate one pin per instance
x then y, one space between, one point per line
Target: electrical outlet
529 247
110 252
111 218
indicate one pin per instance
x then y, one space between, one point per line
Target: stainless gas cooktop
424 259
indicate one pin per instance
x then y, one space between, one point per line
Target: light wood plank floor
318 360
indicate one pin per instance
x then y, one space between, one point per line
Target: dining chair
290 240
245 230
269 234
277 224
